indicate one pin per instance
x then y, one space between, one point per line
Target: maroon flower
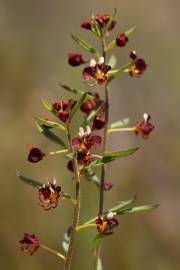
90 104
35 155
97 71
63 108
144 128
86 25
29 244
107 185
98 122
103 20
121 40
49 195
138 67
106 223
75 59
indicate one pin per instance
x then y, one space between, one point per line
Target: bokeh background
34 40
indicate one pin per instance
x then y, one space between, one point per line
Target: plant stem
58 152
67 265
53 251
82 227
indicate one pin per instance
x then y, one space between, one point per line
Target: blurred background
34 40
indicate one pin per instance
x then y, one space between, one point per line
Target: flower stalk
53 251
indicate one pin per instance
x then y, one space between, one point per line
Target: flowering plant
79 148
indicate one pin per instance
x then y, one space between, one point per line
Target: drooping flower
49 194
144 128
83 145
106 223
35 154
63 108
97 71
121 40
90 104
138 67
29 243
75 59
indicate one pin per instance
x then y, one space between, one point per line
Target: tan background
35 36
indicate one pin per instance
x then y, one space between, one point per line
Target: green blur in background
34 40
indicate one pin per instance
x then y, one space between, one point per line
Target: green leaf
50 135
111 19
120 123
119 71
84 45
66 239
137 209
97 241
92 177
71 89
92 114
77 106
49 123
130 31
48 106
122 205
111 156
29 181
112 61
95 27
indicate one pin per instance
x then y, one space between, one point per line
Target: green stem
82 227
67 265
110 130
53 251
58 152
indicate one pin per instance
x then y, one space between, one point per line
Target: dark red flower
97 71
107 185
56 106
90 104
35 155
29 243
98 123
106 223
63 116
86 25
138 67
121 40
49 195
112 25
75 59
144 128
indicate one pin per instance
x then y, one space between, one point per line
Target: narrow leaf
50 135
120 123
112 61
49 123
66 239
71 89
111 156
77 106
84 45
138 209
119 72
130 31
111 19
29 181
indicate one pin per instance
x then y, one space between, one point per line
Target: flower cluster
63 108
29 244
83 145
144 127
49 195
106 223
101 21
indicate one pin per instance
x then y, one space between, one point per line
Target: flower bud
63 116
108 185
144 128
98 123
75 59
35 155
86 25
121 40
